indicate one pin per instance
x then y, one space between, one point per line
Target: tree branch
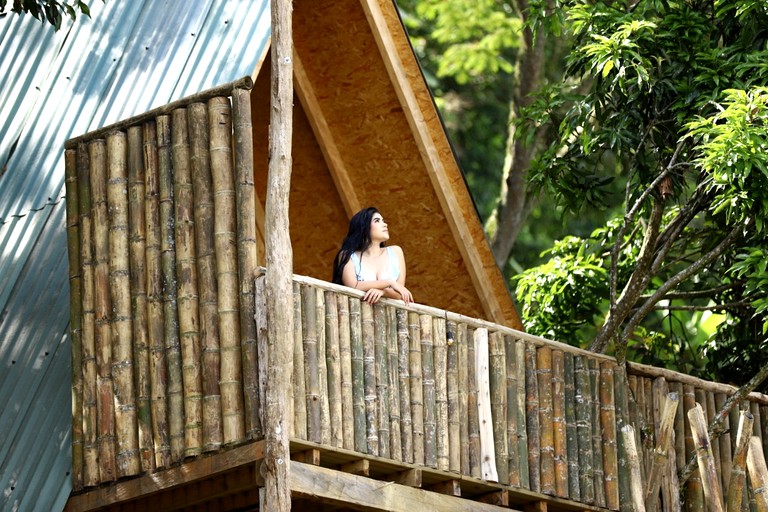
715 307
697 294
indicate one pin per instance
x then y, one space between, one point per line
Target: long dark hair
358 239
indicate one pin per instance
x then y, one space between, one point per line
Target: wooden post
660 453
279 256
758 474
633 461
712 492
738 475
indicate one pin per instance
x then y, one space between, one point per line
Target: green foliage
49 11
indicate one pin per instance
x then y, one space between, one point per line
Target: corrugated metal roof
128 58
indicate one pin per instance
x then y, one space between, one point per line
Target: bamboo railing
168 347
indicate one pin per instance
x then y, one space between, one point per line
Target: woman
364 263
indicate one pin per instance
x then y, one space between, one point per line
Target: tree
675 105
50 11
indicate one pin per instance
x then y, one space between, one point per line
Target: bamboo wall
161 231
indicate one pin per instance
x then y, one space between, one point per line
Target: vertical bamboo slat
484 409
333 364
187 293
694 493
358 377
738 476
205 257
225 239
381 371
369 370
247 258
90 395
473 422
621 408
709 477
597 437
559 424
416 386
764 427
428 380
513 466
754 408
571 430
497 375
522 424
75 314
325 413
758 473
711 413
637 503
347 388
532 418
441 393
102 313
127 456
393 364
661 452
158 373
608 427
454 419
724 442
679 438
546 425
311 363
463 384
299 423
175 391
584 429
137 235
404 384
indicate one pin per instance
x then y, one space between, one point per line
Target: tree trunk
279 258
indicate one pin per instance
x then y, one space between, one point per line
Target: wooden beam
311 456
500 498
325 138
449 488
360 493
410 477
360 467
163 480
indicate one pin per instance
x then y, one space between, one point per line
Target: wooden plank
332 487
485 420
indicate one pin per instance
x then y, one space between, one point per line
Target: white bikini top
391 273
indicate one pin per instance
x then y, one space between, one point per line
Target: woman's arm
399 289
374 290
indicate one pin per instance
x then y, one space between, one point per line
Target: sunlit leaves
49 11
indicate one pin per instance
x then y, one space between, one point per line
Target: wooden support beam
449 488
500 498
357 492
360 467
410 477
536 506
311 456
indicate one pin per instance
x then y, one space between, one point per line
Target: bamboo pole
546 425
584 429
441 393
559 424
484 409
497 375
395 422
347 387
137 235
715 446
225 237
532 418
90 395
637 414
404 384
633 462
416 386
187 289
513 466
694 493
333 364
245 198
299 422
158 374
764 427
428 380
724 440
358 376
758 474
127 448
597 437
621 408
738 475
205 258
75 314
322 365
175 392
679 437
381 371
571 429
661 452
262 345
522 430
756 430
463 386
102 313
369 370
452 377
710 480
473 421
608 428
311 363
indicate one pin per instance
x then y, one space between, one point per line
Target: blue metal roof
128 58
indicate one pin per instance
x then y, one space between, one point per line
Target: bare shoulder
398 250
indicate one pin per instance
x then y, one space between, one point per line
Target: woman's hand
405 294
373 295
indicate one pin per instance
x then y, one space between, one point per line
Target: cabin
446 404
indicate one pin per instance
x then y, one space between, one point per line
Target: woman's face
379 231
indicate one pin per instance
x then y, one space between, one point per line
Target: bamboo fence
169 363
